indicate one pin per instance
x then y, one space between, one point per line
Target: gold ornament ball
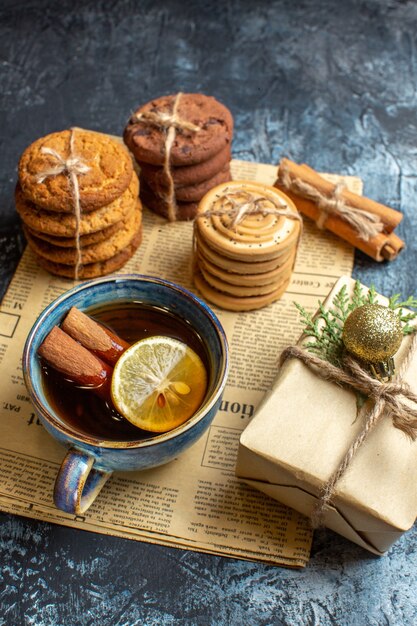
372 332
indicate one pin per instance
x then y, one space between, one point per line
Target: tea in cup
99 440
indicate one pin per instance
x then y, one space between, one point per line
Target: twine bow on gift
73 166
171 123
248 205
366 224
384 395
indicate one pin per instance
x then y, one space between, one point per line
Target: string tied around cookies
243 204
73 167
165 120
171 123
391 396
366 224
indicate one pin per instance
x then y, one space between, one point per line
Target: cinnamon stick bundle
333 208
76 363
83 351
93 336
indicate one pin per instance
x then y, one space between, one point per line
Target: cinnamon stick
75 362
97 338
383 246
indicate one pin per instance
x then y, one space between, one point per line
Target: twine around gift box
72 167
389 395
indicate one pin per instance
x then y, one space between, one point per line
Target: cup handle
78 482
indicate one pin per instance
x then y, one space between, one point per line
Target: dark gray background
332 83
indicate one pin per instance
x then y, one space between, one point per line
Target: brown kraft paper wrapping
300 434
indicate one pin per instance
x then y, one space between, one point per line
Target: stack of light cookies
182 144
80 227
246 237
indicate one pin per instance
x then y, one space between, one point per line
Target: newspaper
194 502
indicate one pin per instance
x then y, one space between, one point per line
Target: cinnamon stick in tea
97 338
296 180
75 362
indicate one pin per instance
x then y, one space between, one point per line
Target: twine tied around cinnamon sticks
169 122
366 224
384 395
251 205
73 166
336 208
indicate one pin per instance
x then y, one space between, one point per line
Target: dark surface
329 83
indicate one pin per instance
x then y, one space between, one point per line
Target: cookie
245 242
93 253
236 303
93 270
64 224
194 193
257 236
185 210
239 267
186 175
71 242
109 170
242 290
147 141
245 280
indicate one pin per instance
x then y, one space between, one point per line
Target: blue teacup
90 461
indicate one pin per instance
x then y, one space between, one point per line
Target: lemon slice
158 383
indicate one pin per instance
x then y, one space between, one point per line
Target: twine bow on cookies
384 395
161 119
366 224
249 205
171 123
73 166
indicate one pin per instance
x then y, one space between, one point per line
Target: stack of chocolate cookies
182 144
246 239
77 196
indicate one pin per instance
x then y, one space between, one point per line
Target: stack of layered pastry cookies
77 195
245 242
182 144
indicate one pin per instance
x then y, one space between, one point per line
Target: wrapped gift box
300 434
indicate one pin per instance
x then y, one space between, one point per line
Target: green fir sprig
325 328
396 304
